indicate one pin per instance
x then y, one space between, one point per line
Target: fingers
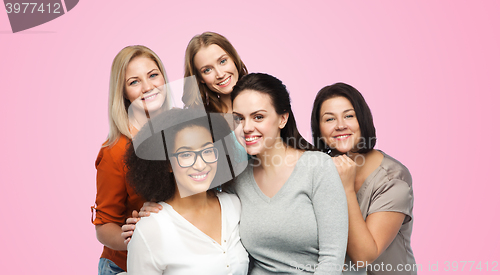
135 214
149 207
131 221
128 230
126 235
343 160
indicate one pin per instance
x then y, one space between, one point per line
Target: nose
148 86
199 164
340 125
218 72
247 126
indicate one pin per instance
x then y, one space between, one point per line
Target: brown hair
209 97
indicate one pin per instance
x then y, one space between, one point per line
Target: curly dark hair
147 158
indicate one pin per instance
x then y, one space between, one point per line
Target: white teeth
224 82
199 177
251 138
151 96
344 136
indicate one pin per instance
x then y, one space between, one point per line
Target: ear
283 120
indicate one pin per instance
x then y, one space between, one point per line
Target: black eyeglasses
188 158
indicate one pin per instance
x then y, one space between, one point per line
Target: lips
341 137
150 97
249 140
225 82
199 176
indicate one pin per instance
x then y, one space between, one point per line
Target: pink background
428 69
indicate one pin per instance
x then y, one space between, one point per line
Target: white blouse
166 243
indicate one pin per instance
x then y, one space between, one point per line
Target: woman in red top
137 81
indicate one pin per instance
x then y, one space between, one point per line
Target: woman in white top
197 231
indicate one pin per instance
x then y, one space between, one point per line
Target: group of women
294 209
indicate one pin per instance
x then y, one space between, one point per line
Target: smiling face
144 83
338 124
216 68
198 177
258 121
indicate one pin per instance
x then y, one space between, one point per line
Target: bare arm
109 234
367 239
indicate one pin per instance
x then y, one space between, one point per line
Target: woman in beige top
378 187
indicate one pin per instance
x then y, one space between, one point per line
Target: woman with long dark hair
294 212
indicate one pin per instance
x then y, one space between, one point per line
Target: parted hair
118 103
154 179
210 98
363 115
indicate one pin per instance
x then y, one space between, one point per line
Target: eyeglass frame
196 154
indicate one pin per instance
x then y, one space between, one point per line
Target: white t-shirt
166 243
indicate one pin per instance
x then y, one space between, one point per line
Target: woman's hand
149 207
129 227
347 171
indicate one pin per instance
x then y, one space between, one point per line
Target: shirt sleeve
330 207
111 187
393 196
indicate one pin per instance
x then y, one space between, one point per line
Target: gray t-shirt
303 228
389 188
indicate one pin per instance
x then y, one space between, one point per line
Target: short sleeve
393 196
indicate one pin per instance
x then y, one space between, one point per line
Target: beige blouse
389 188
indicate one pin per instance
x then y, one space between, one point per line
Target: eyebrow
262 110
330 113
138 77
220 57
190 148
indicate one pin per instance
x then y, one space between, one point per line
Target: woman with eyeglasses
197 230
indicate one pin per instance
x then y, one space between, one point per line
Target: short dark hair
276 90
363 115
147 158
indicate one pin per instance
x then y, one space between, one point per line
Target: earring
206 98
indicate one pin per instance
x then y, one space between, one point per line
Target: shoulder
316 161
156 222
113 152
395 171
230 200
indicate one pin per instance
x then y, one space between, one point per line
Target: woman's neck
226 99
197 202
277 156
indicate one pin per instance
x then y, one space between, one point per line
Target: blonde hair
209 97
117 102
